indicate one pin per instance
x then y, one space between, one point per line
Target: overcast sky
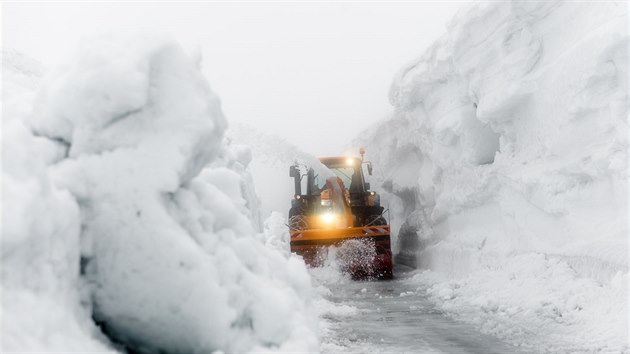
313 73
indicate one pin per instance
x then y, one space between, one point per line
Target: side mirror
294 171
369 166
310 176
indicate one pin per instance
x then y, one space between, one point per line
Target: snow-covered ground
505 163
122 204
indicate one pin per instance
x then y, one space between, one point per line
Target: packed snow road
397 317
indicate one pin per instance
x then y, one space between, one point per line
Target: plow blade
310 243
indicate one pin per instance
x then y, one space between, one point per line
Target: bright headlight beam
350 161
328 217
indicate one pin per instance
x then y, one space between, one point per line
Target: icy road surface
397 317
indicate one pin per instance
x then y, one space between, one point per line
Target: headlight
328 217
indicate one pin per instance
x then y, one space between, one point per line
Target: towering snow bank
508 146
168 244
269 166
41 287
231 166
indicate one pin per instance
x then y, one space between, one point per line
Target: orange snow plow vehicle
337 208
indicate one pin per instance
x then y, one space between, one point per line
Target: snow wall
122 204
41 288
271 157
505 169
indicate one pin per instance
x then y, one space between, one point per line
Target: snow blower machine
336 210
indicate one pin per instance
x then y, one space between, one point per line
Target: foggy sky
314 73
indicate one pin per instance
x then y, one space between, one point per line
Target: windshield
345 173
